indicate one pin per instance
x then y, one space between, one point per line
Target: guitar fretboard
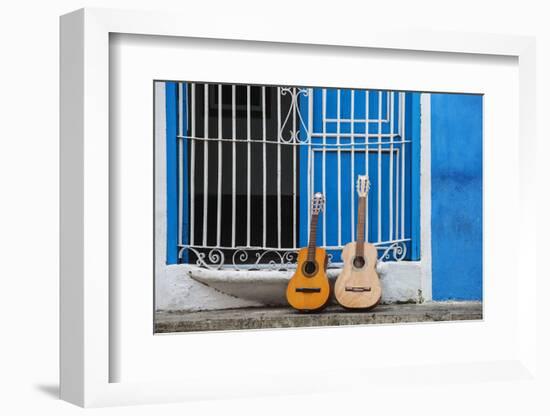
312 238
359 245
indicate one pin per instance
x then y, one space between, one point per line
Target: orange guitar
358 285
309 289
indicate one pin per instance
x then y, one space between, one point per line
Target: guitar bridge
357 289
308 289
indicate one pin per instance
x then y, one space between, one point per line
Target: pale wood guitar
309 288
358 285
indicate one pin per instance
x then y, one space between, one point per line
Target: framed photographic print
237 210
240 169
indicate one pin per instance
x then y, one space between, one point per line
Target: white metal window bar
292 132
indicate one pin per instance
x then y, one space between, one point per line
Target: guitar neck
360 244
312 238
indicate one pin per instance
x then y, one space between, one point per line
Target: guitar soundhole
358 262
310 267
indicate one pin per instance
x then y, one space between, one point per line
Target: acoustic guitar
309 288
358 285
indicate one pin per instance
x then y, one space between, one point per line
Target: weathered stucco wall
190 288
456 181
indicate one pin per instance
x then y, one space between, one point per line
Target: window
244 160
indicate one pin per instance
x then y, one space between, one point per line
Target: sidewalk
282 317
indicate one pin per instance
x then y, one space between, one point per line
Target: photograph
283 206
275 208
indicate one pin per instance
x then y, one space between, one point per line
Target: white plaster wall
193 288
400 282
183 287
426 196
176 290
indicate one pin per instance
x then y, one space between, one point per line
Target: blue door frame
173 153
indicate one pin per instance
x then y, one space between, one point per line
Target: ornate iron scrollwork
397 250
294 110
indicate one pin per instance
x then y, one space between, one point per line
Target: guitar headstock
317 203
363 185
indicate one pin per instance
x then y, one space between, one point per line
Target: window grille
249 158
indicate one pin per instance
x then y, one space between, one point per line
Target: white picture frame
87 294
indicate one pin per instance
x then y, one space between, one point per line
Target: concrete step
284 317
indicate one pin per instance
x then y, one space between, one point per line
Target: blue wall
456 158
